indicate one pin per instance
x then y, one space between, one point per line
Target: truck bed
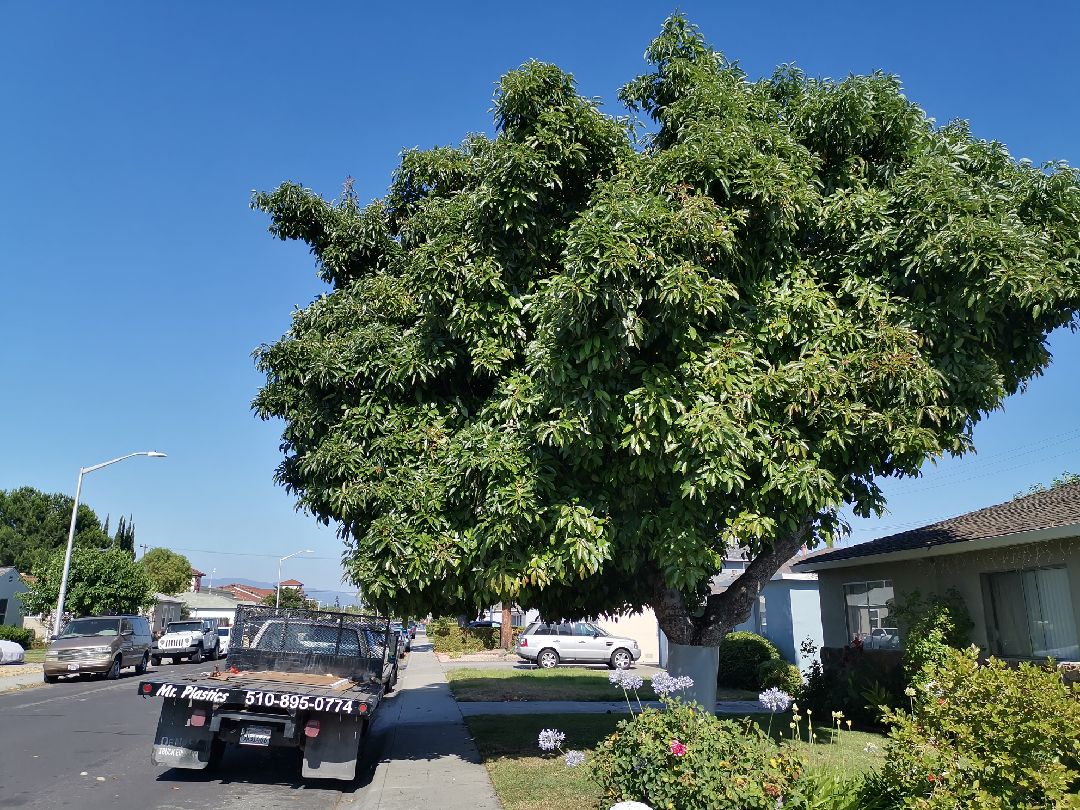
246 690
295 678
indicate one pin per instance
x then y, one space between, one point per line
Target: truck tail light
198 718
523 642
146 689
311 728
362 708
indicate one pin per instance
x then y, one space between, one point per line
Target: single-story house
164 610
11 584
787 612
210 606
1016 565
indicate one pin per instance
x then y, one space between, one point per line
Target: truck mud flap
178 745
334 753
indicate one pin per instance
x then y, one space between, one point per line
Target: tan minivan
99 645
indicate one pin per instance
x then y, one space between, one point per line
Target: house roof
247 593
1053 509
164 598
195 572
207 601
293 583
4 569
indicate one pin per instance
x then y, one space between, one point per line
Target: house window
1032 614
868 614
3 610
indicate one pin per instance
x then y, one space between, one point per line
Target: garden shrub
740 655
448 637
21 636
780 674
984 736
857 683
930 627
680 757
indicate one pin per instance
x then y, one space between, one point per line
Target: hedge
24 638
741 653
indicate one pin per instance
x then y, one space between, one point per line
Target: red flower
678 749
931 778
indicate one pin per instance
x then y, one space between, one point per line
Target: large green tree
33 524
101 580
168 572
569 366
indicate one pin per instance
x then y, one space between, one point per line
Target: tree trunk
701 664
506 638
695 626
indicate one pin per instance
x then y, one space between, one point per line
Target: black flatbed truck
295 678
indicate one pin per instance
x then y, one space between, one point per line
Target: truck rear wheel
217 753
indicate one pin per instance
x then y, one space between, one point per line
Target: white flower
625 680
775 700
574 758
664 684
551 738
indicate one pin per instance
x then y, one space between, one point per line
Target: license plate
73 667
255 735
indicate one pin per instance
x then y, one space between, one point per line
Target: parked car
193 639
224 634
548 645
404 640
99 645
412 629
481 623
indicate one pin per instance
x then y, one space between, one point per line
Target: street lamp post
277 601
71 530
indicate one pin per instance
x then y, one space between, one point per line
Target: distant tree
34 524
1064 479
101 580
168 571
291 598
125 535
569 368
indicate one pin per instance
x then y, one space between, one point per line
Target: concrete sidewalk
23 675
428 758
515 707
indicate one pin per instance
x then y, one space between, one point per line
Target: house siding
936 575
11 585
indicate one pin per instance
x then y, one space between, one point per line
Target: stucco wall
937 574
641 627
10 585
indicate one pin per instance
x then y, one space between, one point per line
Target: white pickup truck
193 639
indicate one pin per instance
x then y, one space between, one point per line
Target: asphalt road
53 734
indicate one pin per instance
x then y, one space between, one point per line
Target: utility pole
144 547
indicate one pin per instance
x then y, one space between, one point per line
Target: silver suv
548 645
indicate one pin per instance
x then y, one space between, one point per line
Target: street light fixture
71 530
277 601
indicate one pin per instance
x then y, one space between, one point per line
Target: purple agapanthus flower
664 684
551 738
574 758
774 700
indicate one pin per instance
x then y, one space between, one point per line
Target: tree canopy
33 524
570 365
101 580
168 572
291 598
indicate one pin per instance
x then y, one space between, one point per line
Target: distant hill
327 597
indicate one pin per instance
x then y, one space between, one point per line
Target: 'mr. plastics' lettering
168 690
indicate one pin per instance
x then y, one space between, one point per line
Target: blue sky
136 281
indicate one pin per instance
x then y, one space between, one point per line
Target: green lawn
524 780
561 683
